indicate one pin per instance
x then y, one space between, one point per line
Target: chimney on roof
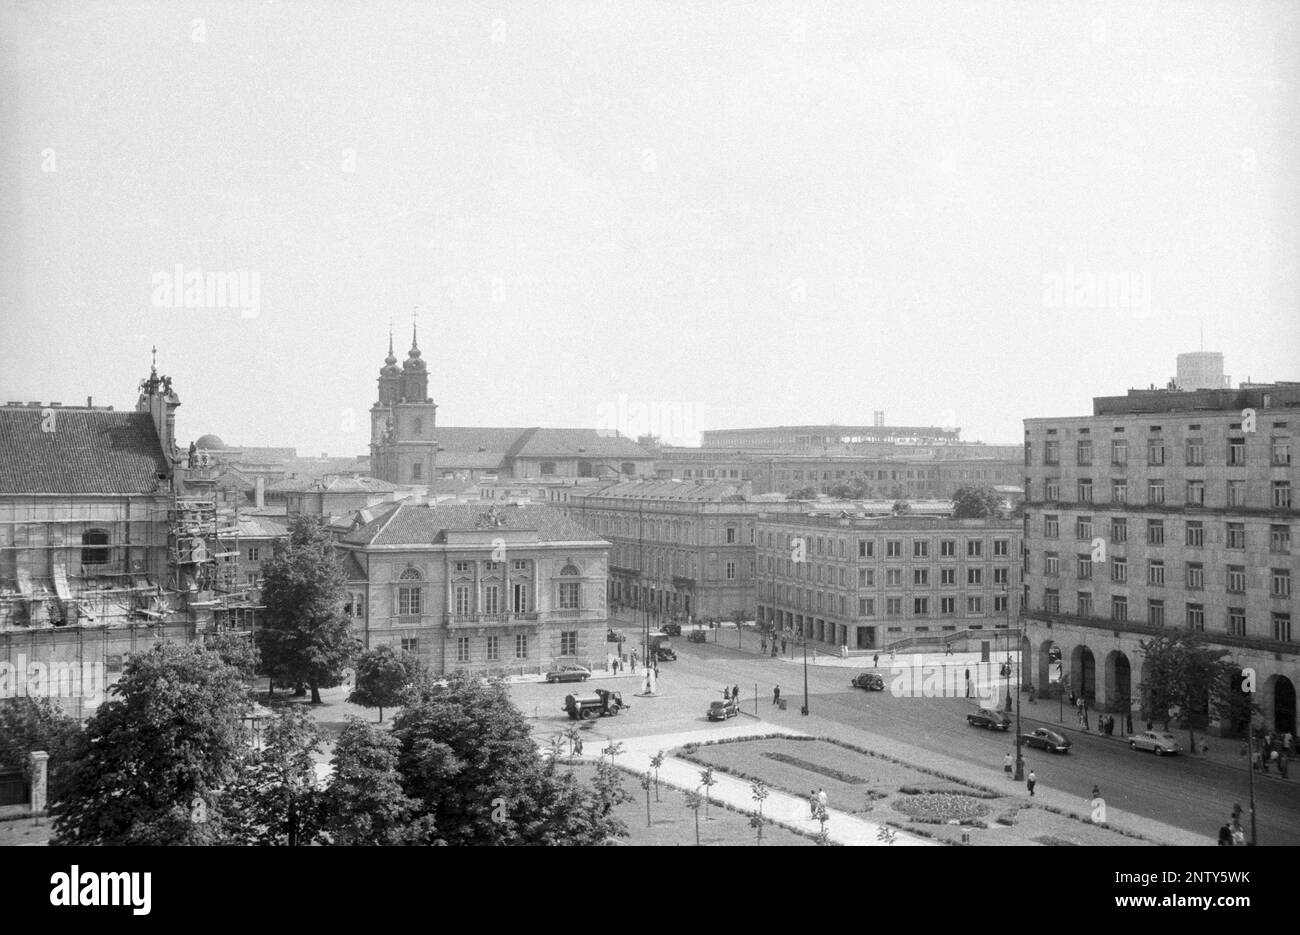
259 492
90 402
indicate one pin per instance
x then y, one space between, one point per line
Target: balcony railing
495 620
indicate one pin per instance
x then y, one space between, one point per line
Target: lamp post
804 710
1020 641
1250 766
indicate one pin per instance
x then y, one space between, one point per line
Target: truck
600 703
660 647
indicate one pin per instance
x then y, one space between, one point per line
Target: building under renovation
105 548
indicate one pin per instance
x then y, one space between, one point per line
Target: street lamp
804 640
1020 646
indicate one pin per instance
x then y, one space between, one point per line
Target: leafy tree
975 503
758 791
609 786
803 493
151 764
1183 671
306 638
657 761
30 724
382 678
276 795
693 801
237 651
823 836
364 803
707 780
646 782
467 759
902 507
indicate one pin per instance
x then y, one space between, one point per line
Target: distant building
1201 370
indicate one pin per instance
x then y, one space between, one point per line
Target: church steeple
415 378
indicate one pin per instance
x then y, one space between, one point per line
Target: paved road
1184 792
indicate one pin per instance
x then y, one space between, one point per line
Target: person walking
783 644
812 802
968 685
1225 835
735 693
577 745
821 798
1007 763
1031 780
776 694
875 661
1096 791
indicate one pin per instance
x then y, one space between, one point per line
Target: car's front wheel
1132 744
1160 751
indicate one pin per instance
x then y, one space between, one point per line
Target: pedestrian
1031 780
947 649
821 798
634 659
783 644
735 693
1031 694
762 645
1225 836
812 802
1096 791
1128 722
1282 763
1288 741
1238 832
776 694
1007 762
875 661
968 685
891 657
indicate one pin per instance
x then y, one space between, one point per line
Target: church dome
210 443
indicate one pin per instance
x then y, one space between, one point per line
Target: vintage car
568 674
673 629
870 681
721 710
1044 739
697 636
987 717
1157 741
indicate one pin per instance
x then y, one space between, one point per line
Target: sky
650 216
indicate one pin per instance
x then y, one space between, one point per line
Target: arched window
94 547
569 570
410 597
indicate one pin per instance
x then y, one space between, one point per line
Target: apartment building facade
1163 509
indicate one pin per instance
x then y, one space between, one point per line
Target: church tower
402 420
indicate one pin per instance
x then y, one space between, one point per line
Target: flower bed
941 806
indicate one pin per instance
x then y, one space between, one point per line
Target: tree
693 802
151 764
646 782
466 757
306 638
30 724
803 493
1183 671
758 791
902 507
657 761
364 803
823 836
975 503
237 651
382 678
278 802
707 780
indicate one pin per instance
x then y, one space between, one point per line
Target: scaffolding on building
203 566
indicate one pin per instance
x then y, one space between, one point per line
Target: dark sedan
870 681
1044 739
987 717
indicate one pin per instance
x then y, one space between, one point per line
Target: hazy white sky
730 214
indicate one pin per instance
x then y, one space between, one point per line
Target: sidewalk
841 827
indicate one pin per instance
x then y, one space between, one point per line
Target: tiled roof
260 527
578 443
352 569
336 483
671 490
420 524
89 451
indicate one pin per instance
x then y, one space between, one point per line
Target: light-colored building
482 588
1201 370
866 582
1165 509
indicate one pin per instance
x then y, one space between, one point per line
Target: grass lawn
673 824
870 787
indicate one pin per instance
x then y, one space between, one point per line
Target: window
974 548
1119 570
1155 451
1051 526
1085 604
1084 566
920 548
1279 538
461 568
1119 530
1196 493
921 577
920 606
1119 451
462 649
1156 574
491 599
1119 490
569 594
948 548
1237 621
866 577
1155 491
1001 575
1237 579
94 547
1052 489
519 564
1156 613
1156 531
893 606
1236 535
866 548
894 548
1085 490
254 553
521 646
1236 452
975 605
999 604
867 606
1282 627
731 536
947 576
409 596
463 597
893 577
410 644
731 571
1195 533
1195 451
976 575
519 598
1281 578
1083 528
1281 450
417 471
1051 451
1119 608
1236 493
1085 451
1282 494
251 579
1195 575
493 649
1001 548
568 642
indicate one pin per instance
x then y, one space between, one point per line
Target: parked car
1157 741
870 681
673 629
568 674
721 710
1044 739
697 636
613 637
986 717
